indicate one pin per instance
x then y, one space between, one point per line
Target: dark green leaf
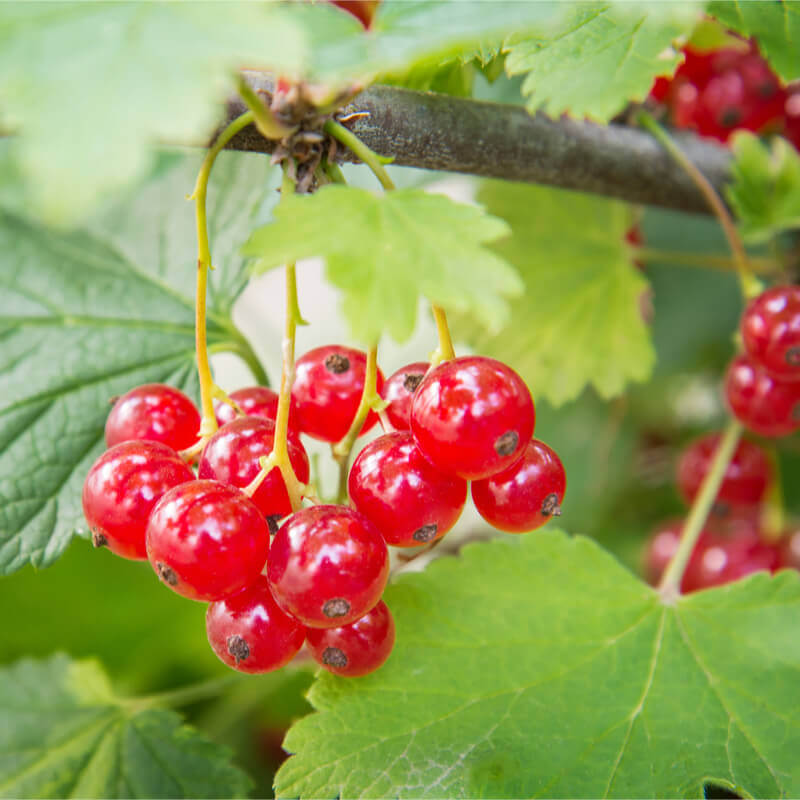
542 668
386 250
64 734
88 315
579 320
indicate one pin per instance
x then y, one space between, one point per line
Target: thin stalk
269 126
444 352
759 265
369 157
750 285
773 513
208 423
669 588
333 171
370 400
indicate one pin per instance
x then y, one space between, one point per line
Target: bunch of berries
718 92
321 577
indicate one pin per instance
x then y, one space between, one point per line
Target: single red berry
398 392
155 412
718 559
356 649
771 331
472 416
526 495
764 404
327 389
254 401
250 633
232 455
660 548
121 489
206 540
746 478
328 566
407 499
362 10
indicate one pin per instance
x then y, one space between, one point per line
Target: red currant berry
407 499
526 495
660 548
765 405
249 633
472 417
206 541
121 489
328 566
155 412
771 331
746 479
718 559
232 455
398 392
357 649
327 389
254 401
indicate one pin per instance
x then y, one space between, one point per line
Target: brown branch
439 132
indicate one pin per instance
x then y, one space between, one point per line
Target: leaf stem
669 588
208 423
370 401
269 126
444 352
368 156
750 285
686 259
186 695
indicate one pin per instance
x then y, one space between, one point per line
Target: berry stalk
368 156
269 126
669 587
750 285
208 423
444 352
686 259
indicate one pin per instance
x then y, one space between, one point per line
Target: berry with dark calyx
327 390
232 455
155 412
718 559
746 478
472 416
206 540
771 331
660 548
764 404
356 649
526 495
398 392
407 499
121 489
250 633
328 566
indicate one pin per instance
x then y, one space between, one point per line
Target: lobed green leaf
542 668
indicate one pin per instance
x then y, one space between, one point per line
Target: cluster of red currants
763 390
718 92
321 578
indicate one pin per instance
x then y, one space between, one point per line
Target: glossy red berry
764 404
356 649
771 331
719 559
232 455
746 479
398 392
472 416
328 566
121 489
250 633
327 389
155 412
206 540
254 401
407 499
526 495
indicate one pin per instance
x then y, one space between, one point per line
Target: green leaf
90 314
386 250
579 320
63 734
765 192
603 57
776 25
92 86
542 668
